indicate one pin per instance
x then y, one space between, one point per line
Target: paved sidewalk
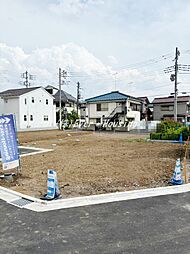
148 226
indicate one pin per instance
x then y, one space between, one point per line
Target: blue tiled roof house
113 106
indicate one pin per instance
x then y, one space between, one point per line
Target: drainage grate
21 202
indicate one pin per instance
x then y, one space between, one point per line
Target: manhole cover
21 202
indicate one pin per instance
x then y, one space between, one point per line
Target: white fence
143 125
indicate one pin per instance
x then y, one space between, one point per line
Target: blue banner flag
8 142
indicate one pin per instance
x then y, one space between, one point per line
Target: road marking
39 205
36 151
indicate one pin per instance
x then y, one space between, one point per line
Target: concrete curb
39 205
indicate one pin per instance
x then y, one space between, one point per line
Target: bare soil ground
94 163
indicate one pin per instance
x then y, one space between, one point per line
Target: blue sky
97 40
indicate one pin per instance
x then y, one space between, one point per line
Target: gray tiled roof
144 99
170 99
17 92
65 97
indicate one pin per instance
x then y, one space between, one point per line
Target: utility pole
25 75
183 69
177 53
78 96
62 74
173 77
60 113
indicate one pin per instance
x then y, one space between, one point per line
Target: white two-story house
33 108
113 106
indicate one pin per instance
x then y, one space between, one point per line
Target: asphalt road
151 225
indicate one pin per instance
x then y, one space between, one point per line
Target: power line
139 65
122 79
145 74
149 61
157 87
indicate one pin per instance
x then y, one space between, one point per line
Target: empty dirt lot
93 163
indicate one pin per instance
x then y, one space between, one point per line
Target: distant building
33 108
83 110
68 102
164 108
146 112
151 110
113 106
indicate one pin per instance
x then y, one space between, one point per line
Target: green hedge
166 125
155 135
170 130
165 136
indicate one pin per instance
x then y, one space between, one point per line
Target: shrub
170 130
166 136
155 135
172 136
165 125
185 134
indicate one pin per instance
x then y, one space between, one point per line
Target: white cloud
112 60
73 7
44 63
81 65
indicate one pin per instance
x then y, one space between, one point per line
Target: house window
138 107
102 107
167 108
46 101
25 118
25 101
32 99
98 107
31 117
45 117
135 107
98 120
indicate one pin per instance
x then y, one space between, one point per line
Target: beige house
113 106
